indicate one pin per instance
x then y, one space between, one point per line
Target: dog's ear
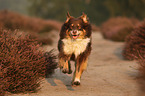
84 17
67 17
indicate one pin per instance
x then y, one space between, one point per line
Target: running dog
75 44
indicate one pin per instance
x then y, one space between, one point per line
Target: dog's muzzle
74 34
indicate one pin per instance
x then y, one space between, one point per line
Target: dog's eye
79 26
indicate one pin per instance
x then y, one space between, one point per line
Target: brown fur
75 44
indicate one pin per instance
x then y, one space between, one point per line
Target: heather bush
22 64
118 28
12 21
135 43
50 58
2 85
141 68
141 62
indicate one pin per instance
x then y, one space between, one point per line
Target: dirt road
107 74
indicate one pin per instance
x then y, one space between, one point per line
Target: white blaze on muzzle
75 34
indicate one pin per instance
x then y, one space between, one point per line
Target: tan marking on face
82 34
78 25
68 34
71 26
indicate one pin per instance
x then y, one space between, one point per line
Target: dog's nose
74 31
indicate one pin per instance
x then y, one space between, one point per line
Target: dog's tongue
75 36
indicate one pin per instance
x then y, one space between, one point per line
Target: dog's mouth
75 36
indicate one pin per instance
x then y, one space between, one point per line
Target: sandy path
107 74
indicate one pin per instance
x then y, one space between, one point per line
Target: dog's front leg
79 68
64 63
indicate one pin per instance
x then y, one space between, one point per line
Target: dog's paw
65 71
76 83
60 66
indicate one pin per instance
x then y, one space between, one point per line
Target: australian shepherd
74 44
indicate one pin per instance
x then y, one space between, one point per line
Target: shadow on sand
118 53
58 75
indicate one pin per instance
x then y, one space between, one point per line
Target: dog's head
76 28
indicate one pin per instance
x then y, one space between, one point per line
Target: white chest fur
77 46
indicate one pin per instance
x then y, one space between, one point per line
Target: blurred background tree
128 8
98 10
57 9
14 5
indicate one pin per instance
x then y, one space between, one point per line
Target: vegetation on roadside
22 64
118 28
35 27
